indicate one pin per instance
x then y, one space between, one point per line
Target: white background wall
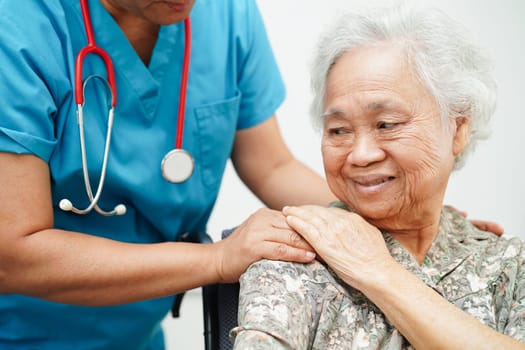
490 186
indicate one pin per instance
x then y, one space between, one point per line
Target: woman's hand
265 234
353 248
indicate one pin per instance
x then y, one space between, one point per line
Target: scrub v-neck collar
144 80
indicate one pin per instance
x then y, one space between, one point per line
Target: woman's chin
374 212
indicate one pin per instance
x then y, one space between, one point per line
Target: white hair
456 72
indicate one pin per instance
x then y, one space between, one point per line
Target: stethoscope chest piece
177 166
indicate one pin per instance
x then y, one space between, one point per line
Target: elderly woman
402 97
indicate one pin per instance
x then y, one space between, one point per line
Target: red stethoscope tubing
92 48
183 83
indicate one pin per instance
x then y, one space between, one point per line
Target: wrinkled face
386 151
155 11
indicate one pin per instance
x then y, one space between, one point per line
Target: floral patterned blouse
306 306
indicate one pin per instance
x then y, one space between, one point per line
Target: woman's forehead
384 64
371 103
375 77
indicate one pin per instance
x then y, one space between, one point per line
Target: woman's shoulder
289 268
456 224
487 244
314 272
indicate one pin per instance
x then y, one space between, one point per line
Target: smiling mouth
373 182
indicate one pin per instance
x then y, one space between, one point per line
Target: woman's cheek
334 160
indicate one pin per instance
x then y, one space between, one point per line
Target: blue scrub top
233 84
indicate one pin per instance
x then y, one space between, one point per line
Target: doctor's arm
39 260
265 164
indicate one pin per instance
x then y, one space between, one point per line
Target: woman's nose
365 151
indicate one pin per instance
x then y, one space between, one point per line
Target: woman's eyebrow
332 113
381 105
373 106
376 106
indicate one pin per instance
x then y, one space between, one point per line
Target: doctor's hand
265 234
483 225
354 249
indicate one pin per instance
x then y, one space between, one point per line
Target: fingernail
310 255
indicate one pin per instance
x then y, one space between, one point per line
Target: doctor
54 263
79 279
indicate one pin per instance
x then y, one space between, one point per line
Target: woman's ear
462 135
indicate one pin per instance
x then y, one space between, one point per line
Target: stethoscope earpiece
65 205
120 209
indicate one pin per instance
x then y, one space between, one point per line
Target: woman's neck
415 231
417 242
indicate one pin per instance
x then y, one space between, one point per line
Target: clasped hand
353 248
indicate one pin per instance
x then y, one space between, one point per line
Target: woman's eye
385 125
337 131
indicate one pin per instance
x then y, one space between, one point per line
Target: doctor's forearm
293 183
79 269
266 165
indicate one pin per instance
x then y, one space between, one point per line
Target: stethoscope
176 166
